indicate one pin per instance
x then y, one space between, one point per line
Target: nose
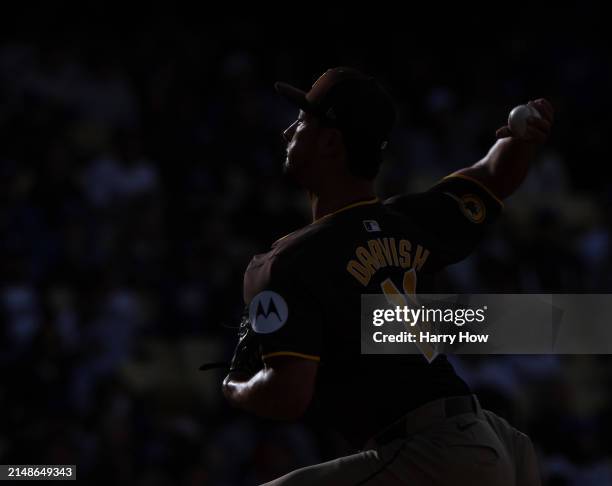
289 131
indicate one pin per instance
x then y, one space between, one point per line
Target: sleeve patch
473 208
268 312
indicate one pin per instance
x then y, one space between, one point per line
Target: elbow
279 394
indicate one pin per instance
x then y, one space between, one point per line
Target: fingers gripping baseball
531 122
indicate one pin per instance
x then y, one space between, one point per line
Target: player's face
302 138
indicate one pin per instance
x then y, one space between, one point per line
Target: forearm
506 165
504 168
267 394
250 393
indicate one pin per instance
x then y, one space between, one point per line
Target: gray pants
470 449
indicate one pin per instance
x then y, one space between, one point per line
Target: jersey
303 297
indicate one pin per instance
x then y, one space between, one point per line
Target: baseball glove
247 354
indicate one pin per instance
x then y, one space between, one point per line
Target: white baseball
517 120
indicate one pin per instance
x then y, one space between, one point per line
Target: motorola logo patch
268 312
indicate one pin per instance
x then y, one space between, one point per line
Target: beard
292 164
293 172
286 167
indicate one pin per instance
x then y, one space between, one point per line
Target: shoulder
455 195
450 186
296 253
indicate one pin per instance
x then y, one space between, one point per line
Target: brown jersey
304 295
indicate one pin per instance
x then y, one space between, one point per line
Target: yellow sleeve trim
291 353
478 183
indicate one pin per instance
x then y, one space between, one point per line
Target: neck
327 202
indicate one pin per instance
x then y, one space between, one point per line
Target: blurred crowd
139 172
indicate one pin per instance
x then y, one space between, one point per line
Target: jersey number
397 298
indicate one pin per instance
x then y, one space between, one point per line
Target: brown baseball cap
351 101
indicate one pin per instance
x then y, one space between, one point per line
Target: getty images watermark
426 323
430 324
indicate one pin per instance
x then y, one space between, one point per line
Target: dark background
140 169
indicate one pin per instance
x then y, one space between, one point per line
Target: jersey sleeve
456 211
287 319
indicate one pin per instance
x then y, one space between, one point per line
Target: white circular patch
268 312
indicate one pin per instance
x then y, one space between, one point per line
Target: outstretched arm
504 168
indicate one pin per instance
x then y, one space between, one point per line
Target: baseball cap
350 100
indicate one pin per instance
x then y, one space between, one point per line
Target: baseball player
412 421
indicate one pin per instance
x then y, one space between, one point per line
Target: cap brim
296 96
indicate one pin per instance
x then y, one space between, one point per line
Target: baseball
517 120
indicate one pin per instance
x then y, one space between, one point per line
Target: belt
426 415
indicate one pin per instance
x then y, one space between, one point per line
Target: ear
332 143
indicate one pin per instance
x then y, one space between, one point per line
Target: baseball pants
433 449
